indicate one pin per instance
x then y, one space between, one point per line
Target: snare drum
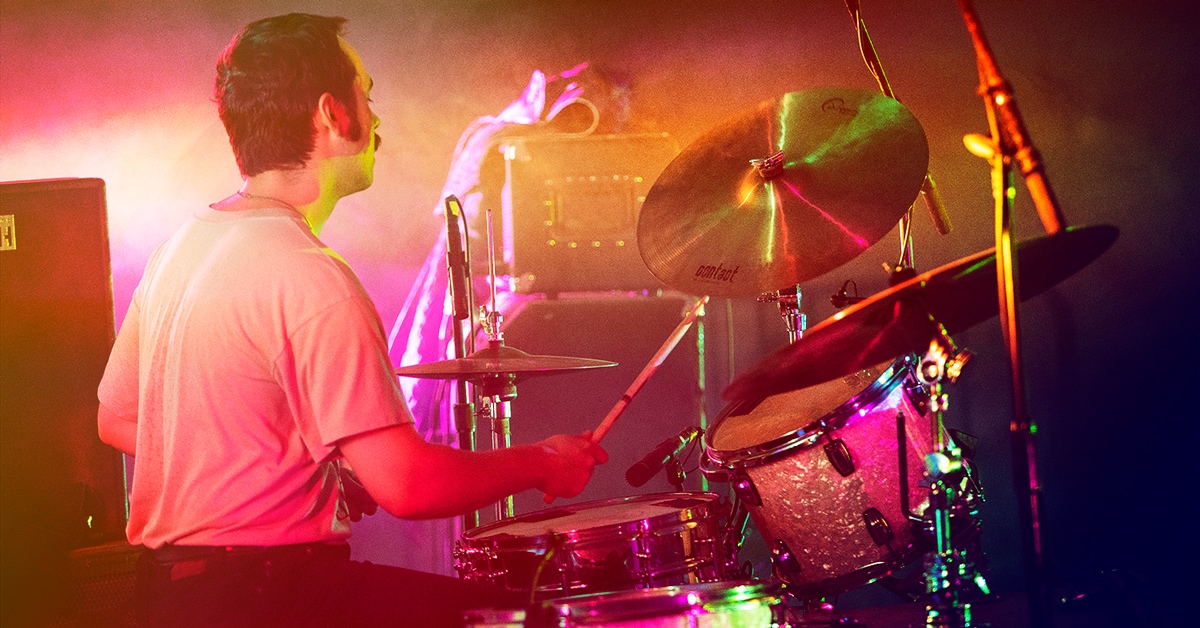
623 543
831 474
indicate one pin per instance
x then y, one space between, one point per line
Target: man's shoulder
260 253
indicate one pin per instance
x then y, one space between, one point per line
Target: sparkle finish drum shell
831 474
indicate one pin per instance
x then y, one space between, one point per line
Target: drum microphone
841 298
653 462
456 259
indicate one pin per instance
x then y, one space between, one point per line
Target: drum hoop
583 536
642 603
781 446
867 574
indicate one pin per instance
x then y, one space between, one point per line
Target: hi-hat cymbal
903 318
498 359
838 168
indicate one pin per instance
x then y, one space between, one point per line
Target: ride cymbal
783 192
904 318
499 360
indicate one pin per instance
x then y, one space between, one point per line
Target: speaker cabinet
628 331
570 209
62 489
102 580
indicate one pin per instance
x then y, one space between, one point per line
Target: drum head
795 418
601 517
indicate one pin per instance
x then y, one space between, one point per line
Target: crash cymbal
901 319
839 167
497 359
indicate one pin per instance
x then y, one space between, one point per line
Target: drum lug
878 527
743 487
839 457
642 544
566 573
786 565
643 565
711 551
467 559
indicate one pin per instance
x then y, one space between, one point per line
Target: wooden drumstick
649 369
652 366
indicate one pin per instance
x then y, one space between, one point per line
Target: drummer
251 373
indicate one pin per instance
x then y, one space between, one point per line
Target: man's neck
299 189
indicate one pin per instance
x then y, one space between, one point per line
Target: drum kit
834 444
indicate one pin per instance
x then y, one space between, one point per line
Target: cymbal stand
945 569
496 395
1010 144
497 391
789 308
816 611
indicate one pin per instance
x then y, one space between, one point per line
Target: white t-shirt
248 351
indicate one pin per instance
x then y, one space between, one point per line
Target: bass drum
607 545
831 474
739 604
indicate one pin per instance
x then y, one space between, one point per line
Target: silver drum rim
762 453
664 521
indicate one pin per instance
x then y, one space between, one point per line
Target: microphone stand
1010 143
458 256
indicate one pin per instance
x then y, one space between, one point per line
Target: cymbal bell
498 359
783 192
904 317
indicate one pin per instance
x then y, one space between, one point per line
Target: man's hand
358 499
570 464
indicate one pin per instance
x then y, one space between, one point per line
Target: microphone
653 462
841 298
456 259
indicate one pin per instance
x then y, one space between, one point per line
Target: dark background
120 91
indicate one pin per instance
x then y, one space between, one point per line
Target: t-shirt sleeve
118 389
338 378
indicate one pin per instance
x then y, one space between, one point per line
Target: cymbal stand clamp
489 315
789 300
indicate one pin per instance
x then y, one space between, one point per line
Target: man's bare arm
414 479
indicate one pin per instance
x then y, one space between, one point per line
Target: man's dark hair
269 80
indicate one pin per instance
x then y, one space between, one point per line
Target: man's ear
332 115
